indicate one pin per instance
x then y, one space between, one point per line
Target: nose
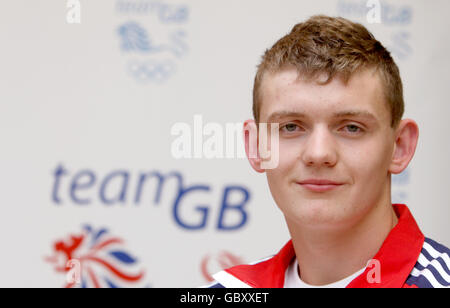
320 148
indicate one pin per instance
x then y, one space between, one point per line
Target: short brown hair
337 47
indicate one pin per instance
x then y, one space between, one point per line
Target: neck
327 256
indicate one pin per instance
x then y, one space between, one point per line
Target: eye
353 129
289 127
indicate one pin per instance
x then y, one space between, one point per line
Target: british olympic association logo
211 264
95 259
152 37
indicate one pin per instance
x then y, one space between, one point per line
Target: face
338 133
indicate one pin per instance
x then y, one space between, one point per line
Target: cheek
280 179
369 163
277 178
289 154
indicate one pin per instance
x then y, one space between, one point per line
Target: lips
319 185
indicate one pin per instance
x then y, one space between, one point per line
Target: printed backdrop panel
94 95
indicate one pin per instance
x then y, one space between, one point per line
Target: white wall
81 97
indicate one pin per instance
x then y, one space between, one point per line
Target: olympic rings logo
154 71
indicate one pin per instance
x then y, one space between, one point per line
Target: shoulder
241 276
432 269
213 285
268 272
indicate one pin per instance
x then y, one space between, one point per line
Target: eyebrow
284 114
277 115
355 113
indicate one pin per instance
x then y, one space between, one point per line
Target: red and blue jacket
407 259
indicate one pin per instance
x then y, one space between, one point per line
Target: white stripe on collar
229 281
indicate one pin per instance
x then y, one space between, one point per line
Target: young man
336 95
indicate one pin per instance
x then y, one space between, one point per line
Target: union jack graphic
102 261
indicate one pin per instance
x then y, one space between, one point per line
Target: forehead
283 93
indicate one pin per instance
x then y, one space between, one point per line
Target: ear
251 145
406 136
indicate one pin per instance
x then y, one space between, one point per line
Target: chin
319 213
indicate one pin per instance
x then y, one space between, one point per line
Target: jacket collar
397 257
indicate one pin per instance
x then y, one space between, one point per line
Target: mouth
319 185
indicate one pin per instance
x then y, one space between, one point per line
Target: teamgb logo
124 187
95 259
154 40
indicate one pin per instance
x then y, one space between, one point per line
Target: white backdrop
86 111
